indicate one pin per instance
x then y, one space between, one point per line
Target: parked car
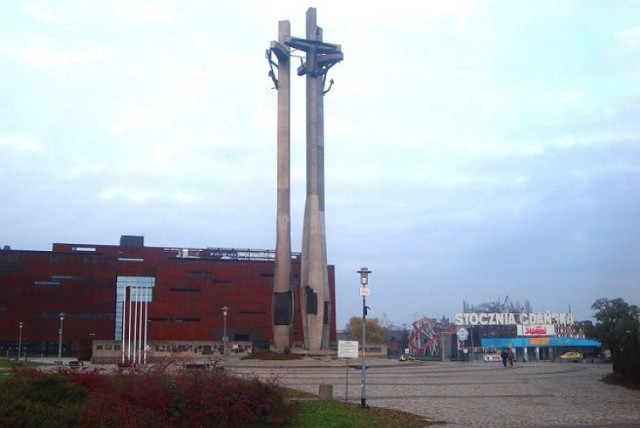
406 357
572 355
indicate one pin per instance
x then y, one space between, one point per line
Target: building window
133 289
84 249
47 283
184 290
196 274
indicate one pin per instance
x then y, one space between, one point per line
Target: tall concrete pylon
282 303
315 299
314 275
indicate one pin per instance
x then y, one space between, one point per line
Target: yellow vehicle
573 356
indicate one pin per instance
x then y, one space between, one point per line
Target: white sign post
347 349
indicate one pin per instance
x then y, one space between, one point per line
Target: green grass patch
334 414
5 363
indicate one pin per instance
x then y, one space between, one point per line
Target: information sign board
347 349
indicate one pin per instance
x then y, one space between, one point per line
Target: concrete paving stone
475 394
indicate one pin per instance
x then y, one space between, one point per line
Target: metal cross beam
306 45
321 56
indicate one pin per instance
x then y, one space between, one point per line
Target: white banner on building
537 330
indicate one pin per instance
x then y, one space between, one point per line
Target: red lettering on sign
536 330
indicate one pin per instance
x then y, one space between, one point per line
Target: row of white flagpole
134 326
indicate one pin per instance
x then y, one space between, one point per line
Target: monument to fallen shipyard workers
314 285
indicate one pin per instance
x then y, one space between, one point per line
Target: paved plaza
475 394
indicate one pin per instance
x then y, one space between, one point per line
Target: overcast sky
474 149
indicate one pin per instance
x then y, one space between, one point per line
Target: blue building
544 348
532 336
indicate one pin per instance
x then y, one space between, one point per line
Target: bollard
325 392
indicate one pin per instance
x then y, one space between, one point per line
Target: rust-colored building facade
187 289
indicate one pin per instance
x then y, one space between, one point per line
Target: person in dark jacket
504 355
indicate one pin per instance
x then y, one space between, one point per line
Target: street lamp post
20 325
225 339
364 292
60 339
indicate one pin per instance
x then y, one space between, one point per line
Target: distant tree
631 355
617 327
375 332
347 329
386 323
391 334
404 339
581 327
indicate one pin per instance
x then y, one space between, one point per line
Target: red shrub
152 397
128 400
93 380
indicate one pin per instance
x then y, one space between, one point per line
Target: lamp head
225 309
364 276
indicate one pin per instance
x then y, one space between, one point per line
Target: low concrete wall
110 351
